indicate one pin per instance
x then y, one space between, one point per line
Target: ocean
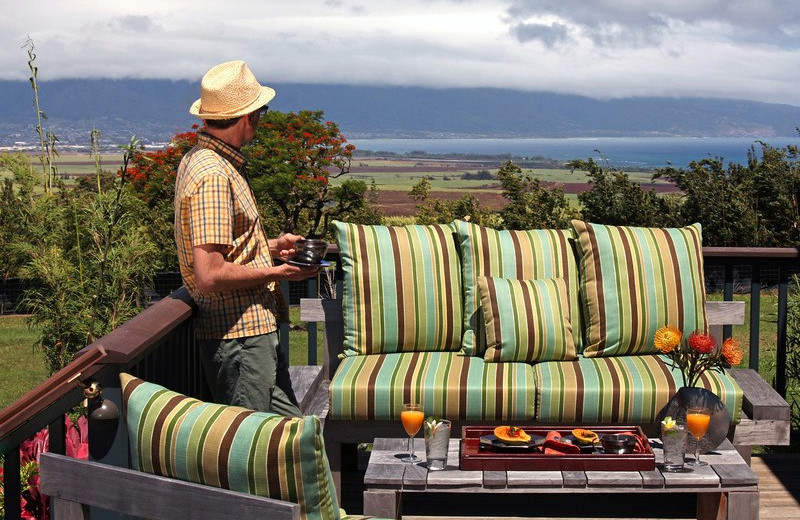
622 152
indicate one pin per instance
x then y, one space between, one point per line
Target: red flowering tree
152 178
152 174
291 163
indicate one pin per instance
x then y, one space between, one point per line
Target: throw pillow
229 447
401 290
526 320
635 280
523 255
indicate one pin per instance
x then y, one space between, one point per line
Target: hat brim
264 97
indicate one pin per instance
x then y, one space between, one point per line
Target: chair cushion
622 389
634 281
401 290
229 447
526 320
448 384
523 255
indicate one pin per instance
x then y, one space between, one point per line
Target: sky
740 49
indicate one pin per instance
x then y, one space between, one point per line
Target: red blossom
702 343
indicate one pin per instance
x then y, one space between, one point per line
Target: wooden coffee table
726 488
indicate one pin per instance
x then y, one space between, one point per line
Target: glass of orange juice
697 421
412 418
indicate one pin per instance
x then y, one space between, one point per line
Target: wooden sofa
764 414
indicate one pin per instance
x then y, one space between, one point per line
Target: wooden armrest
150 496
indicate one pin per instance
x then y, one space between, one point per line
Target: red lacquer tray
475 457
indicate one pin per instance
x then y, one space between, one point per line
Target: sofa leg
334 452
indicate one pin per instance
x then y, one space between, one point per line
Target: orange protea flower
732 352
702 343
667 338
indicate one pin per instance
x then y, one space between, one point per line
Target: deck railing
158 345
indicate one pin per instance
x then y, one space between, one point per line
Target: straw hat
230 90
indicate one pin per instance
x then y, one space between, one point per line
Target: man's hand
213 274
283 246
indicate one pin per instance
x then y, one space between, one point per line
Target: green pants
250 372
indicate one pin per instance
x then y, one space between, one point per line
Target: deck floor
779 483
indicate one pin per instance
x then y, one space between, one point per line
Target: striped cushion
635 280
449 385
619 389
402 288
526 320
523 255
229 447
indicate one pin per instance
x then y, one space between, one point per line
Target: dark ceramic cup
309 250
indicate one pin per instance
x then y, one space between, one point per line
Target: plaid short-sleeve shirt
215 205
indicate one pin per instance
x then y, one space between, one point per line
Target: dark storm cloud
550 35
640 23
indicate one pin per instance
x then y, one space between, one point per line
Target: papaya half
585 437
512 435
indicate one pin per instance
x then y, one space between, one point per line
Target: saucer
322 263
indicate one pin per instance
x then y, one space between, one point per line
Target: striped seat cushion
522 255
635 280
401 289
619 389
229 447
449 385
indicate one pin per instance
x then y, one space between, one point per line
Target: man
226 260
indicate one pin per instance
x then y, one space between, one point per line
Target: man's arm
213 274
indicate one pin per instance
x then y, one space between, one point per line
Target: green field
22 366
389 174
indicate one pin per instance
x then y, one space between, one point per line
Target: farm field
395 177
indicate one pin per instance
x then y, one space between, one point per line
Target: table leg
383 503
743 505
735 505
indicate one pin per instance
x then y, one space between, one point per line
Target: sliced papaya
585 437
512 435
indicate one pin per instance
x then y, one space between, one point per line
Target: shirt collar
228 152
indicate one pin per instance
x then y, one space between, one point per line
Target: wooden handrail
751 252
131 340
37 400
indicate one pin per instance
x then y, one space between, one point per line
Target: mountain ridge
157 109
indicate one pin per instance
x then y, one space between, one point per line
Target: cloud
635 23
549 34
599 48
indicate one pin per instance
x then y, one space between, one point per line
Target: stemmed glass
697 420
412 418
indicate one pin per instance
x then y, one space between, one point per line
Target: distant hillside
156 109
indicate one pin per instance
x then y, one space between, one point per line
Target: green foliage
441 211
88 257
793 353
152 180
291 162
614 199
16 196
531 204
752 205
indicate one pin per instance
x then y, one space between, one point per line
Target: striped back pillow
229 447
522 255
526 320
401 290
635 280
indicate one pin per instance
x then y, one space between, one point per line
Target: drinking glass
674 443
697 421
412 418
